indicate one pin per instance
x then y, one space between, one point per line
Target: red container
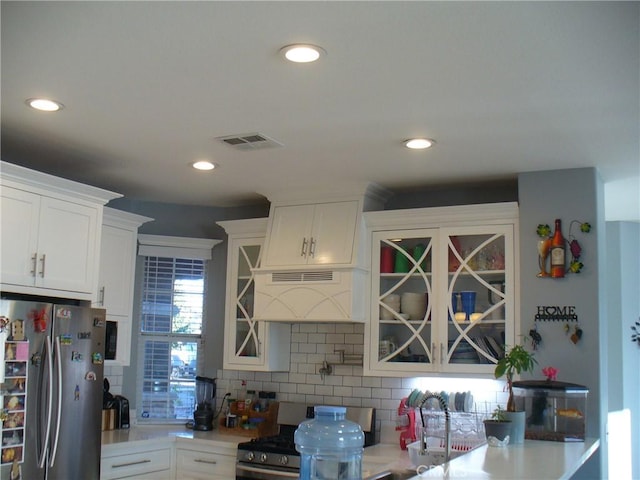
386 259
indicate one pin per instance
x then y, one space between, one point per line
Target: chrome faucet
447 427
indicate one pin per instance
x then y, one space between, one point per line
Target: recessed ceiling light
204 165
418 143
44 104
302 52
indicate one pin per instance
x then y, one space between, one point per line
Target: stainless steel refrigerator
52 364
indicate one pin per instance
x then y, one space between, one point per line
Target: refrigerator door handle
57 355
49 360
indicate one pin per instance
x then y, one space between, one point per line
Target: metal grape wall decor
545 247
635 337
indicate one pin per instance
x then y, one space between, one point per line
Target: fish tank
555 411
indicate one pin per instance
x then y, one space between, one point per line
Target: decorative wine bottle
558 252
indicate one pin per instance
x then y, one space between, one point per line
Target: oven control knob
263 457
250 456
284 460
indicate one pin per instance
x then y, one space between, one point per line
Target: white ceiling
503 87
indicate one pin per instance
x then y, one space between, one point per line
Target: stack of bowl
393 302
414 304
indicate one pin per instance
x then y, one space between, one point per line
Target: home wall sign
552 313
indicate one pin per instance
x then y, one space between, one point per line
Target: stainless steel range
276 458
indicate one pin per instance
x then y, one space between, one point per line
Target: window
171 330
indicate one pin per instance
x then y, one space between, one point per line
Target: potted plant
516 360
498 427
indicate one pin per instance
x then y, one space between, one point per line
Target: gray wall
568 195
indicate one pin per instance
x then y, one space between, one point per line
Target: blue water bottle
330 446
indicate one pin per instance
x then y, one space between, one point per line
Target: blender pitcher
205 403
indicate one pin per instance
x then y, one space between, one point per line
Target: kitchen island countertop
533 459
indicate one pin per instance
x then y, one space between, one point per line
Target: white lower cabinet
169 458
149 459
205 463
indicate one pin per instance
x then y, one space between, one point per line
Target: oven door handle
279 473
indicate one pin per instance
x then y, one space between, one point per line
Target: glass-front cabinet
249 344
443 296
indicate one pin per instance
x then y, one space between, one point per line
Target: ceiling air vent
249 141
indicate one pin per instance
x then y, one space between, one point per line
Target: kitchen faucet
424 447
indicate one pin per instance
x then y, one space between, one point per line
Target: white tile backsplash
313 343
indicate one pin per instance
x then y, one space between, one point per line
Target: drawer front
123 466
205 465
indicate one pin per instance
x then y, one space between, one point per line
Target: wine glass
543 253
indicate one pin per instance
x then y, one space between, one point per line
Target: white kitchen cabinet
200 462
249 344
425 264
318 234
50 234
150 459
116 277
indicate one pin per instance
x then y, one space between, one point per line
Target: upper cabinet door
333 235
289 236
316 234
19 220
68 243
115 284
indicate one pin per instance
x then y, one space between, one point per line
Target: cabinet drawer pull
303 250
129 464
312 247
202 460
34 259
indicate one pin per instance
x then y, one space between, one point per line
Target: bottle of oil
558 252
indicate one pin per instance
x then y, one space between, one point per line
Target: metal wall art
575 249
635 337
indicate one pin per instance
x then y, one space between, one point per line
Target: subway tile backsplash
314 343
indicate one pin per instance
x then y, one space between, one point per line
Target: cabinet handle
101 300
312 247
42 262
129 464
201 460
433 351
303 251
441 353
34 259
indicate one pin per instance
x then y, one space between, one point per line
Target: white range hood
315 261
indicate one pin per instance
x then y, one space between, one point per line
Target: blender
205 403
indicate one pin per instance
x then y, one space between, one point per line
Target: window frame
181 248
